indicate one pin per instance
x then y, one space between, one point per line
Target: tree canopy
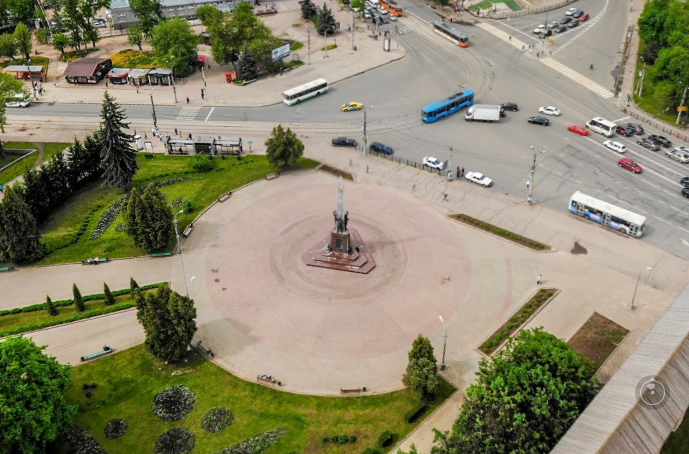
325 22
148 219
422 371
20 240
169 321
33 408
524 400
8 87
149 12
118 157
175 43
283 148
22 35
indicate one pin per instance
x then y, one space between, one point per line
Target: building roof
138 72
23 69
85 67
160 71
118 72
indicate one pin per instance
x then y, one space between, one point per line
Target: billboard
281 52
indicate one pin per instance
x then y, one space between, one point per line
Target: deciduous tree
149 13
209 14
135 36
34 410
422 378
118 157
78 300
60 42
8 87
169 321
8 45
175 43
283 148
23 36
20 240
524 400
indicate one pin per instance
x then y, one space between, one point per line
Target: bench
106 350
225 196
352 390
161 254
6 268
268 379
95 262
188 230
272 176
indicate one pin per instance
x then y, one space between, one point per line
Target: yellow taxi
352 106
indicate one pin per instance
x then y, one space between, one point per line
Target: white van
18 100
615 146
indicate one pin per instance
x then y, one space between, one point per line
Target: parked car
380 148
344 142
545 33
539 29
678 155
648 144
584 17
684 182
539 121
18 100
615 146
433 163
571 11
577 14
573 24
623 131
478 178
511 106
352 106
560 29
581 130
682 149
660 140
566 20
639 129
550 110
685 192
630 164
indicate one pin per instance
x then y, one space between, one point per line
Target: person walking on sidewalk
187 99
539 279
458 175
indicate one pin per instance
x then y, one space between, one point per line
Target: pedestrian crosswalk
521 45
577 77
188 113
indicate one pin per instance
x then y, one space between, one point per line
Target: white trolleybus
607 214
304 92
602 126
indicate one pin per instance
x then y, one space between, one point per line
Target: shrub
179 440
109 298
115 428
325 440
371 451
216 419
385 439
82 442
342 439
352 439
188 206
203 163
413 414
174 403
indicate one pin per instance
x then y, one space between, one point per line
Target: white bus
304 92
602 126
607 214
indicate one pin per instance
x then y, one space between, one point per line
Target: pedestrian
509 37
449 174
135 132
539 279
522 47
413 187
187 99
350 163
145 136
203 95
189 136
176 132
445 197
106 84
366 169
458 175
54 84
209 67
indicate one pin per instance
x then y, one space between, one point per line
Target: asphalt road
497 72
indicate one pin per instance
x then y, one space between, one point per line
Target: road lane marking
209 114
577 77
661 219
521 45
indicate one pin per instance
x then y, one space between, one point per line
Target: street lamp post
442 365
155 121
636 287
178 250
681 104
530 182
643 73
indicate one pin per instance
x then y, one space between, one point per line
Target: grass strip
515 238
517 320
127 381
336 172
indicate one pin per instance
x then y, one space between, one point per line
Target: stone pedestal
341 251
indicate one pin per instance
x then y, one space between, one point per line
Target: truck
483 112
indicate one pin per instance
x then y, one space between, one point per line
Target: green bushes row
501 232
413 414
341 439
95 296
80 232
385 439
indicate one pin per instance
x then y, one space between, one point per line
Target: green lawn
24 165
200 188
678 441
488 4
128 381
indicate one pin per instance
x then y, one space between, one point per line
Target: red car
582 131
630 164
584 18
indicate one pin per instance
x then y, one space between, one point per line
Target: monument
343 249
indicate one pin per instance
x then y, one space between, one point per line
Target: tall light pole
178 250
530 182
449 166
155 120
442 365
681 104
643 73
365 135
636 287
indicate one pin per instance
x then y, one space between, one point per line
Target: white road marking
209 114
187 113
521 45
577 77
661 219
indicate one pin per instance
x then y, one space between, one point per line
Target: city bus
452 104
304 92
602 126
607 214
459 38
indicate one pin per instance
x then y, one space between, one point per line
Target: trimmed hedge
413 414
385 439
501 232
95 296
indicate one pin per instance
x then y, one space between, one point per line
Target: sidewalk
341 63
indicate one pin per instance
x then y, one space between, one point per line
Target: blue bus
452 104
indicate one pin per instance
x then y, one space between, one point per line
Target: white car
615 146
550 110
678 155
18 100
683 149
478 178
539 29
570 11
392 18
433 163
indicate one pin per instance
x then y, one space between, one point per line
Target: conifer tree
109 298
247 66
52 310
326 21
20 240
308 9
118 157
78 300
133 285
148 219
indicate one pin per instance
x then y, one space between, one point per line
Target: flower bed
535 245
336 172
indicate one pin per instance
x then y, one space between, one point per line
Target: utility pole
365 136
397 36
643 73
681 104
308 42
155 121
353 27
442 365
326 43
449 166
530 183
